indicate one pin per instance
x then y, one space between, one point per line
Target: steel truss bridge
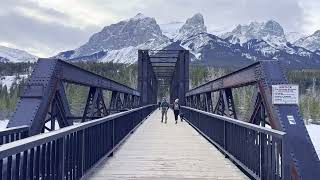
33 147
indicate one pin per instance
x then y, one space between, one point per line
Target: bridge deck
166 151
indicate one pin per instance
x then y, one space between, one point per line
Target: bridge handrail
259 151
71 151
13 134
264 130
32 141
9 131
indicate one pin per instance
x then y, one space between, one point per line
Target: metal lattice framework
43 98
264 74
167 68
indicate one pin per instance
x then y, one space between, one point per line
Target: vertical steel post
61 161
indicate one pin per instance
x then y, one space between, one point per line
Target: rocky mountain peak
139 16
311 42
244 44
273 28
267 31
131 32
292 37
317 33
15 55
192 26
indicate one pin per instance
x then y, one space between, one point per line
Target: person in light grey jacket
176 109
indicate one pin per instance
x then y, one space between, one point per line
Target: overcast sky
46 27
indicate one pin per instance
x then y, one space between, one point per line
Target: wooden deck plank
166 151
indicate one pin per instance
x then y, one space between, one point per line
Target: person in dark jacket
164 109
176 109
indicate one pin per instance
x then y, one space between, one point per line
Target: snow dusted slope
270 31
292 37
15 55
245 44
119 42
130 54
311 42
220 31
193 26
171 29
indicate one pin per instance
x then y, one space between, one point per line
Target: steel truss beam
58 111
95 106
43 97
147 81
304 162
180 79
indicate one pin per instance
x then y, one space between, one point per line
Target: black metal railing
13 134
257 150
69 152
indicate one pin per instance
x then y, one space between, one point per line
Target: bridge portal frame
147 79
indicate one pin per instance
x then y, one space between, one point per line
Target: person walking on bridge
176 109
164 109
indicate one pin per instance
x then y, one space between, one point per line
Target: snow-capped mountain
292 37
119 42
15 55
246 44
270 31
269 39
192 26
243 45
311 42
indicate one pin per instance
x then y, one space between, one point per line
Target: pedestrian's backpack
176 106
164 105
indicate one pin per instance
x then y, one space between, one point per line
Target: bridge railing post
285 159
61 157
225 137
113 137
81 153
261 158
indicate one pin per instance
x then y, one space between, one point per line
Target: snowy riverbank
3 124
9 80
314 132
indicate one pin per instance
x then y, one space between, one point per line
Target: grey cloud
27 32
230 12
54 37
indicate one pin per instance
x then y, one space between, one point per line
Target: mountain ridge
244 44
15 55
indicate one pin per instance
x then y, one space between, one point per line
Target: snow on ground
314 132
9 80
3 124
